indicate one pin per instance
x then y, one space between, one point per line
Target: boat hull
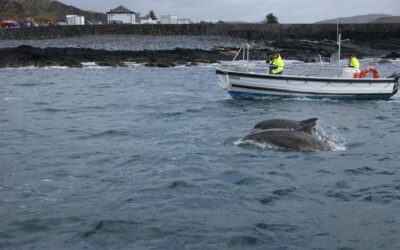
247 84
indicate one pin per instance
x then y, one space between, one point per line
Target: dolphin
299 139
283 123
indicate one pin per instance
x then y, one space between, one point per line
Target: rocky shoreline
302 50
25 55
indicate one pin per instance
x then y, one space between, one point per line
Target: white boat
247 82
250 84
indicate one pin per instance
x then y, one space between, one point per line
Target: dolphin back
277 123
292 134
308 121
298 139
307 128
284 123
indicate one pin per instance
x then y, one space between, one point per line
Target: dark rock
164 64
392 55
204 60
72 64
150 65
303 50
73 57
382 61
111 63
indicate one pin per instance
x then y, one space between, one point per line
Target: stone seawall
358 32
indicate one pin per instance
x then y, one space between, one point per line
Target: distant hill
44 10
357 19
394 19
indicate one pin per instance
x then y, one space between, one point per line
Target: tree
151 15
270 19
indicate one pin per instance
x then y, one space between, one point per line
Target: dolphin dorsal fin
308 121
307 128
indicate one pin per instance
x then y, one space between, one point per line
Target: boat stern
395 88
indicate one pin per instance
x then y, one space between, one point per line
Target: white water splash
330 135
55 67
178 93
254 143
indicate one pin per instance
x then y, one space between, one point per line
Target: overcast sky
287 11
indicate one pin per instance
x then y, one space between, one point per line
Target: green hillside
356 19
394 19
44 10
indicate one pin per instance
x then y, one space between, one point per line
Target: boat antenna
337 28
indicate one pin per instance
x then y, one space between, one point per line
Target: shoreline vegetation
303 42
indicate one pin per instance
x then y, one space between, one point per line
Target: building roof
120 9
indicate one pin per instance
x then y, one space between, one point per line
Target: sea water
148 158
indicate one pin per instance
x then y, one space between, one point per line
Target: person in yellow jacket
276 64
353 62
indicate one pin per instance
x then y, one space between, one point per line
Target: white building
121 15
75 20
168 19
184 21
148 21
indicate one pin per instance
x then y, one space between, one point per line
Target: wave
179 184
245 242
277 227
106 133
247 181
53 110
31 84
382 194
9 98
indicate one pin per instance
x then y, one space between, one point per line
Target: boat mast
339 39
248 56
339 43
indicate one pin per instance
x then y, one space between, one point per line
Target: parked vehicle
115 22
9 24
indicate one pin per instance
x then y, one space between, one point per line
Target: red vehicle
9 24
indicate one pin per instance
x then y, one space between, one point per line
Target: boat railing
241 63
319 67
298 70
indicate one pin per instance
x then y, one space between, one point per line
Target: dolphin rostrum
299 139
284 123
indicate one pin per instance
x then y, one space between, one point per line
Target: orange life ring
365 71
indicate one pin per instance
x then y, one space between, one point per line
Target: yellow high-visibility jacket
277 62
354 63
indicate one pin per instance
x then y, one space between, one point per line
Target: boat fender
365 71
